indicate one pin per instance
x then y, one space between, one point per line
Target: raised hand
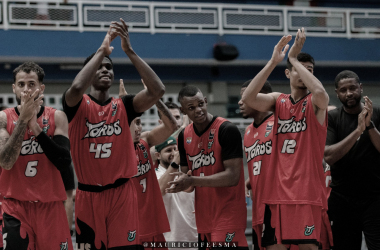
106 45
122 91
121 29
368 106
30 104
280 49
298 44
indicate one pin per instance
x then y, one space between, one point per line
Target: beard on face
165 163
357 102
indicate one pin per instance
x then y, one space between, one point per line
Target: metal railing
203 18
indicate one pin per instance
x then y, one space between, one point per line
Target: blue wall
63 44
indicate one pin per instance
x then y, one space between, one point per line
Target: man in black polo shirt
353 152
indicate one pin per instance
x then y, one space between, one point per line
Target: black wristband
174 165
371 126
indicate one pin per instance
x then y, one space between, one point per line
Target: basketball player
211 148
297 195
102 146
258 149
152 224
34 148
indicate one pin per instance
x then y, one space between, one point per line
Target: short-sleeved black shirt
229 138
357 174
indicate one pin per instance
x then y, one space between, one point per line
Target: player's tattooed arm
10 150
10 146
252 96
160 133
86 76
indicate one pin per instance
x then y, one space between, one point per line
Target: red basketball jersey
258 149
33 177
152 214
216 208
101 143
298 146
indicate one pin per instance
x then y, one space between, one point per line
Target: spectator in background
182 121
353 152
179 206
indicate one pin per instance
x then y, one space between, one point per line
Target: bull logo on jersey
229 237
64 245
258 149
212 134
102 129
114 108
131 236
46 128
269 128
309 230
291 125
142 147
31 146
304 106
202 160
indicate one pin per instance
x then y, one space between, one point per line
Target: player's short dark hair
301 57
188 91
91 56
27 67
345 74
170 105
267 88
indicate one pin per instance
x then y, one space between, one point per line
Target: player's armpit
61 124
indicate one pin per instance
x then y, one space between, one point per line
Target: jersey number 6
31 169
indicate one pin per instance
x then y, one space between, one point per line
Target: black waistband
97 189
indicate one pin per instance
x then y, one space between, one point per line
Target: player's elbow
322 99
159 90
234 180
328 156
6 166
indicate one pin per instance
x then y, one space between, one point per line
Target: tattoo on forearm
10 147
166 112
